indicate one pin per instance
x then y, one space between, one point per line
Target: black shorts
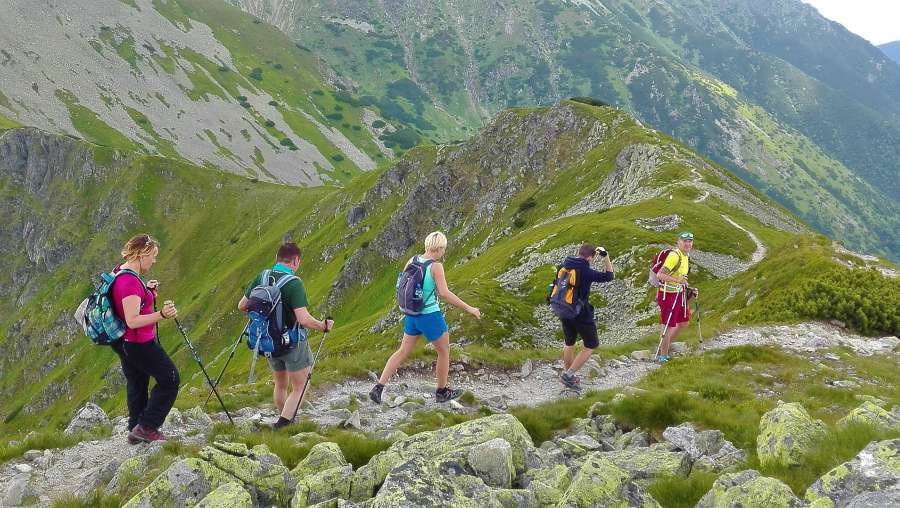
588 331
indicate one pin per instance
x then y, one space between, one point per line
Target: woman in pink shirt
140 352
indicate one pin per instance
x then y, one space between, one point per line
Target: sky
877 21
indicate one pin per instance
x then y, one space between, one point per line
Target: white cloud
877 21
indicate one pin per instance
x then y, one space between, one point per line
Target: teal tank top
429 288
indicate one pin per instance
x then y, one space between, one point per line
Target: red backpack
657 264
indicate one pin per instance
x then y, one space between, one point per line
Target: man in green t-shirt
292 367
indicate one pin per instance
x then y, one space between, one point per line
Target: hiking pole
230 356
311 368
662 337
697 310
196 356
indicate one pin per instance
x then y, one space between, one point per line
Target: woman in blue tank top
430 322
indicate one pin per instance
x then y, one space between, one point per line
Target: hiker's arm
666 276
242 305
131 307
440 282
307 321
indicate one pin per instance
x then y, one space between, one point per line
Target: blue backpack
266 333
96 314
410 292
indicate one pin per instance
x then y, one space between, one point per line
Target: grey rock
88 417
679 348
527 369
353 422
492 462
18 491
749 489
889 498
874 468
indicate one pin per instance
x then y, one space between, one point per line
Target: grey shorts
294 360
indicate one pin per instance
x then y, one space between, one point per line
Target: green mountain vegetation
793 103
569 173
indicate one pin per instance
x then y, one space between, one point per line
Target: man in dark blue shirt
584 323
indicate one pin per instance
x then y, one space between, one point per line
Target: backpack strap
280 283
425 266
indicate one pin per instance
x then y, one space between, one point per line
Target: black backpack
410 284
563 300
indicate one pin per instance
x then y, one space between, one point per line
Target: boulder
875 468
325 485
636 438
579 445
548 484
322 456
889 498
599 482
230 495
786 435
749 489
648 463
19 491
709 449
269 483
185 483
88 417
196 417
492 462
869 413
128 471
429 445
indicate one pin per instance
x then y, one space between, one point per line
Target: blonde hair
140 245
435 241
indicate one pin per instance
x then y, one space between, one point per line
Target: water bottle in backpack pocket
410 287
266 333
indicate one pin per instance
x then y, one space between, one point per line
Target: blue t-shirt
429 289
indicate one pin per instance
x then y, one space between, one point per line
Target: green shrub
590 101
337 117
256 74
377 124
652 411
519 222
270 123
528 204
337 157
677 492
274 104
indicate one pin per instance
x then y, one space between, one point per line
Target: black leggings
140 362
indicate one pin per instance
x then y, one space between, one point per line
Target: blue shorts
431 325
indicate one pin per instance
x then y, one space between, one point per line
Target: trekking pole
196 356
666 329
311 368
230 356
697 310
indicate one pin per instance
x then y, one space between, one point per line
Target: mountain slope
807 111
196 80
514 200
892 50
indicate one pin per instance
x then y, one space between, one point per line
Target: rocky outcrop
708 449
786 434
88 417
875 468
599 482
873 415
749 489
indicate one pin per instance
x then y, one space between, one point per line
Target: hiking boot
141 434
281 423
570 381
376 392
446 394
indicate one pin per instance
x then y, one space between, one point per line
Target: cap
686 235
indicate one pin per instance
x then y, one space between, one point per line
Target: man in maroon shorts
672 296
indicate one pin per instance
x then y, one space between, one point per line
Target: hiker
570 301
292 366
140 352
674 293
429 320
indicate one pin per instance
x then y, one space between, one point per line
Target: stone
128 471
548 484
696 444
229 495
32 455
269 483
876 467
456 405
889 498
633 390
185 483
430 445
195 416
88 417
749 489
340 414
325 485
398 400
527 369
580 444
19 491
786 434
679 348
492 462
342 402
23 468
353 422
173 419
322 456
637 438
641 354
869 413
648 463
599 482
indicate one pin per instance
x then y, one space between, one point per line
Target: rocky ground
41 476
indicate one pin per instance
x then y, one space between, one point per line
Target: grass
96 499
677 492
48 440
544 421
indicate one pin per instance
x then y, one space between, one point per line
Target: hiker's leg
136 385
298 380
570 335
281 388
442 368
157 364
588 332
406 347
